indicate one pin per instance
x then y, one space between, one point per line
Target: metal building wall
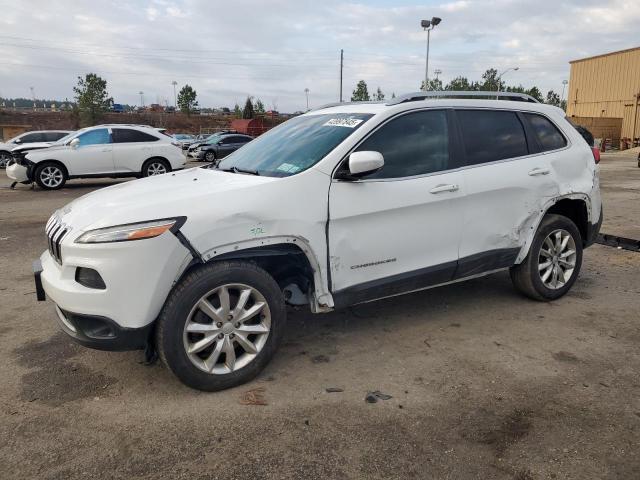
607 86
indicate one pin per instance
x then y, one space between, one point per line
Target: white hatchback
342 205
102 151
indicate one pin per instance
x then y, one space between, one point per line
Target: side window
228 140
53 136
94 137
546 132
490 135
128 135
243 139
412 144
32 138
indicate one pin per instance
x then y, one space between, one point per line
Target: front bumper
138 276
18 173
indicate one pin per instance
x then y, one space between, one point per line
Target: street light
515 69
141 93
175 101
564 85
306 91
428 25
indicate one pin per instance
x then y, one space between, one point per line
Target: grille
55 230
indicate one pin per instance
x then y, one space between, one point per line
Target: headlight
132 231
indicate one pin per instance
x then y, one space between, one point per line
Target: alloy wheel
156 168
209 156
4 160
227 328
557 259
51 176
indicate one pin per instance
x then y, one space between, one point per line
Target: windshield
295 145
213 138
181 136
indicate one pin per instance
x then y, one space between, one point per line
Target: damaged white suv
342 205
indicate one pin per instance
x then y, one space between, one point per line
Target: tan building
604 94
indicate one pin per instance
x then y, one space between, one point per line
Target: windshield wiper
240 170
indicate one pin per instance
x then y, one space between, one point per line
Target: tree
379 96
491 82
553 98
435 85
458 84
248 112
187 99
258 107
393 94
237 112
361 93
535 93
92 98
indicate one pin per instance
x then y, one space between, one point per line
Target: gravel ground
485 384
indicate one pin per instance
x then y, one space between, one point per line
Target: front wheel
221 325
210 157
554 260
50 176
5 158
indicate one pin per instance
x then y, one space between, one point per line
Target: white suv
102 151
342 205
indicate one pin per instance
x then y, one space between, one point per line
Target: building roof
605 54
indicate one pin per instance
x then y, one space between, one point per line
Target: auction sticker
343 122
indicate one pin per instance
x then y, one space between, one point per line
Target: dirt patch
55 379
567 357
501 432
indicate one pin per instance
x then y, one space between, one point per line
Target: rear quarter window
546 133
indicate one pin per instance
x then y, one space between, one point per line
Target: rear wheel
554 260
50 176
155 166
221 325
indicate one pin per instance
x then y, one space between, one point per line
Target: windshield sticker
343 122
288 167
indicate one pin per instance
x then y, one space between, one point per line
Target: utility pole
175 99
306 91
341 67
141 93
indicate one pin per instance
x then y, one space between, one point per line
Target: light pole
141 93
306 91
515 69
564 85
428 25
175 99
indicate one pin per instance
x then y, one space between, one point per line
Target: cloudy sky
275 49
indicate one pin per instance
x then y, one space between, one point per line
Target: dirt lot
485 383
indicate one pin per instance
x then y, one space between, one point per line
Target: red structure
253 127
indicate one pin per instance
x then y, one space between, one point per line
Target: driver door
93 155
398 229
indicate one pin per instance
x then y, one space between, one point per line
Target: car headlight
132 231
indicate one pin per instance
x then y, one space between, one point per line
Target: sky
274 50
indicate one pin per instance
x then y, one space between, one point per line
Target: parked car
118 108
208 138
41 138
220 146
183 140
100 151
342 205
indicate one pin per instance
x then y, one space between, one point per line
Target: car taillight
596 154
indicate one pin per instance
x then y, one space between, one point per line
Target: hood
191 193
31 146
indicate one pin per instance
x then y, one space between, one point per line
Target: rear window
547 134
490 135
127 135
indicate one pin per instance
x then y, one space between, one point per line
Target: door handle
539 171
444 188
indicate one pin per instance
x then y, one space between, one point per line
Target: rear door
227 145
398 229
93 155
507 179
131 148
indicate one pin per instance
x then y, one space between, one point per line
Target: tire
5 158
50 176
210 157
544 257
211 335
155 166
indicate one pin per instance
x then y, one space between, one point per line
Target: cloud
276 49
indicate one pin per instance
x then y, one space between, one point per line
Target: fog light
89 278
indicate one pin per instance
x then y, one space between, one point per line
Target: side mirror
363 163
17 140
74 143
219 142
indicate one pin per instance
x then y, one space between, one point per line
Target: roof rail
417 96
337 104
